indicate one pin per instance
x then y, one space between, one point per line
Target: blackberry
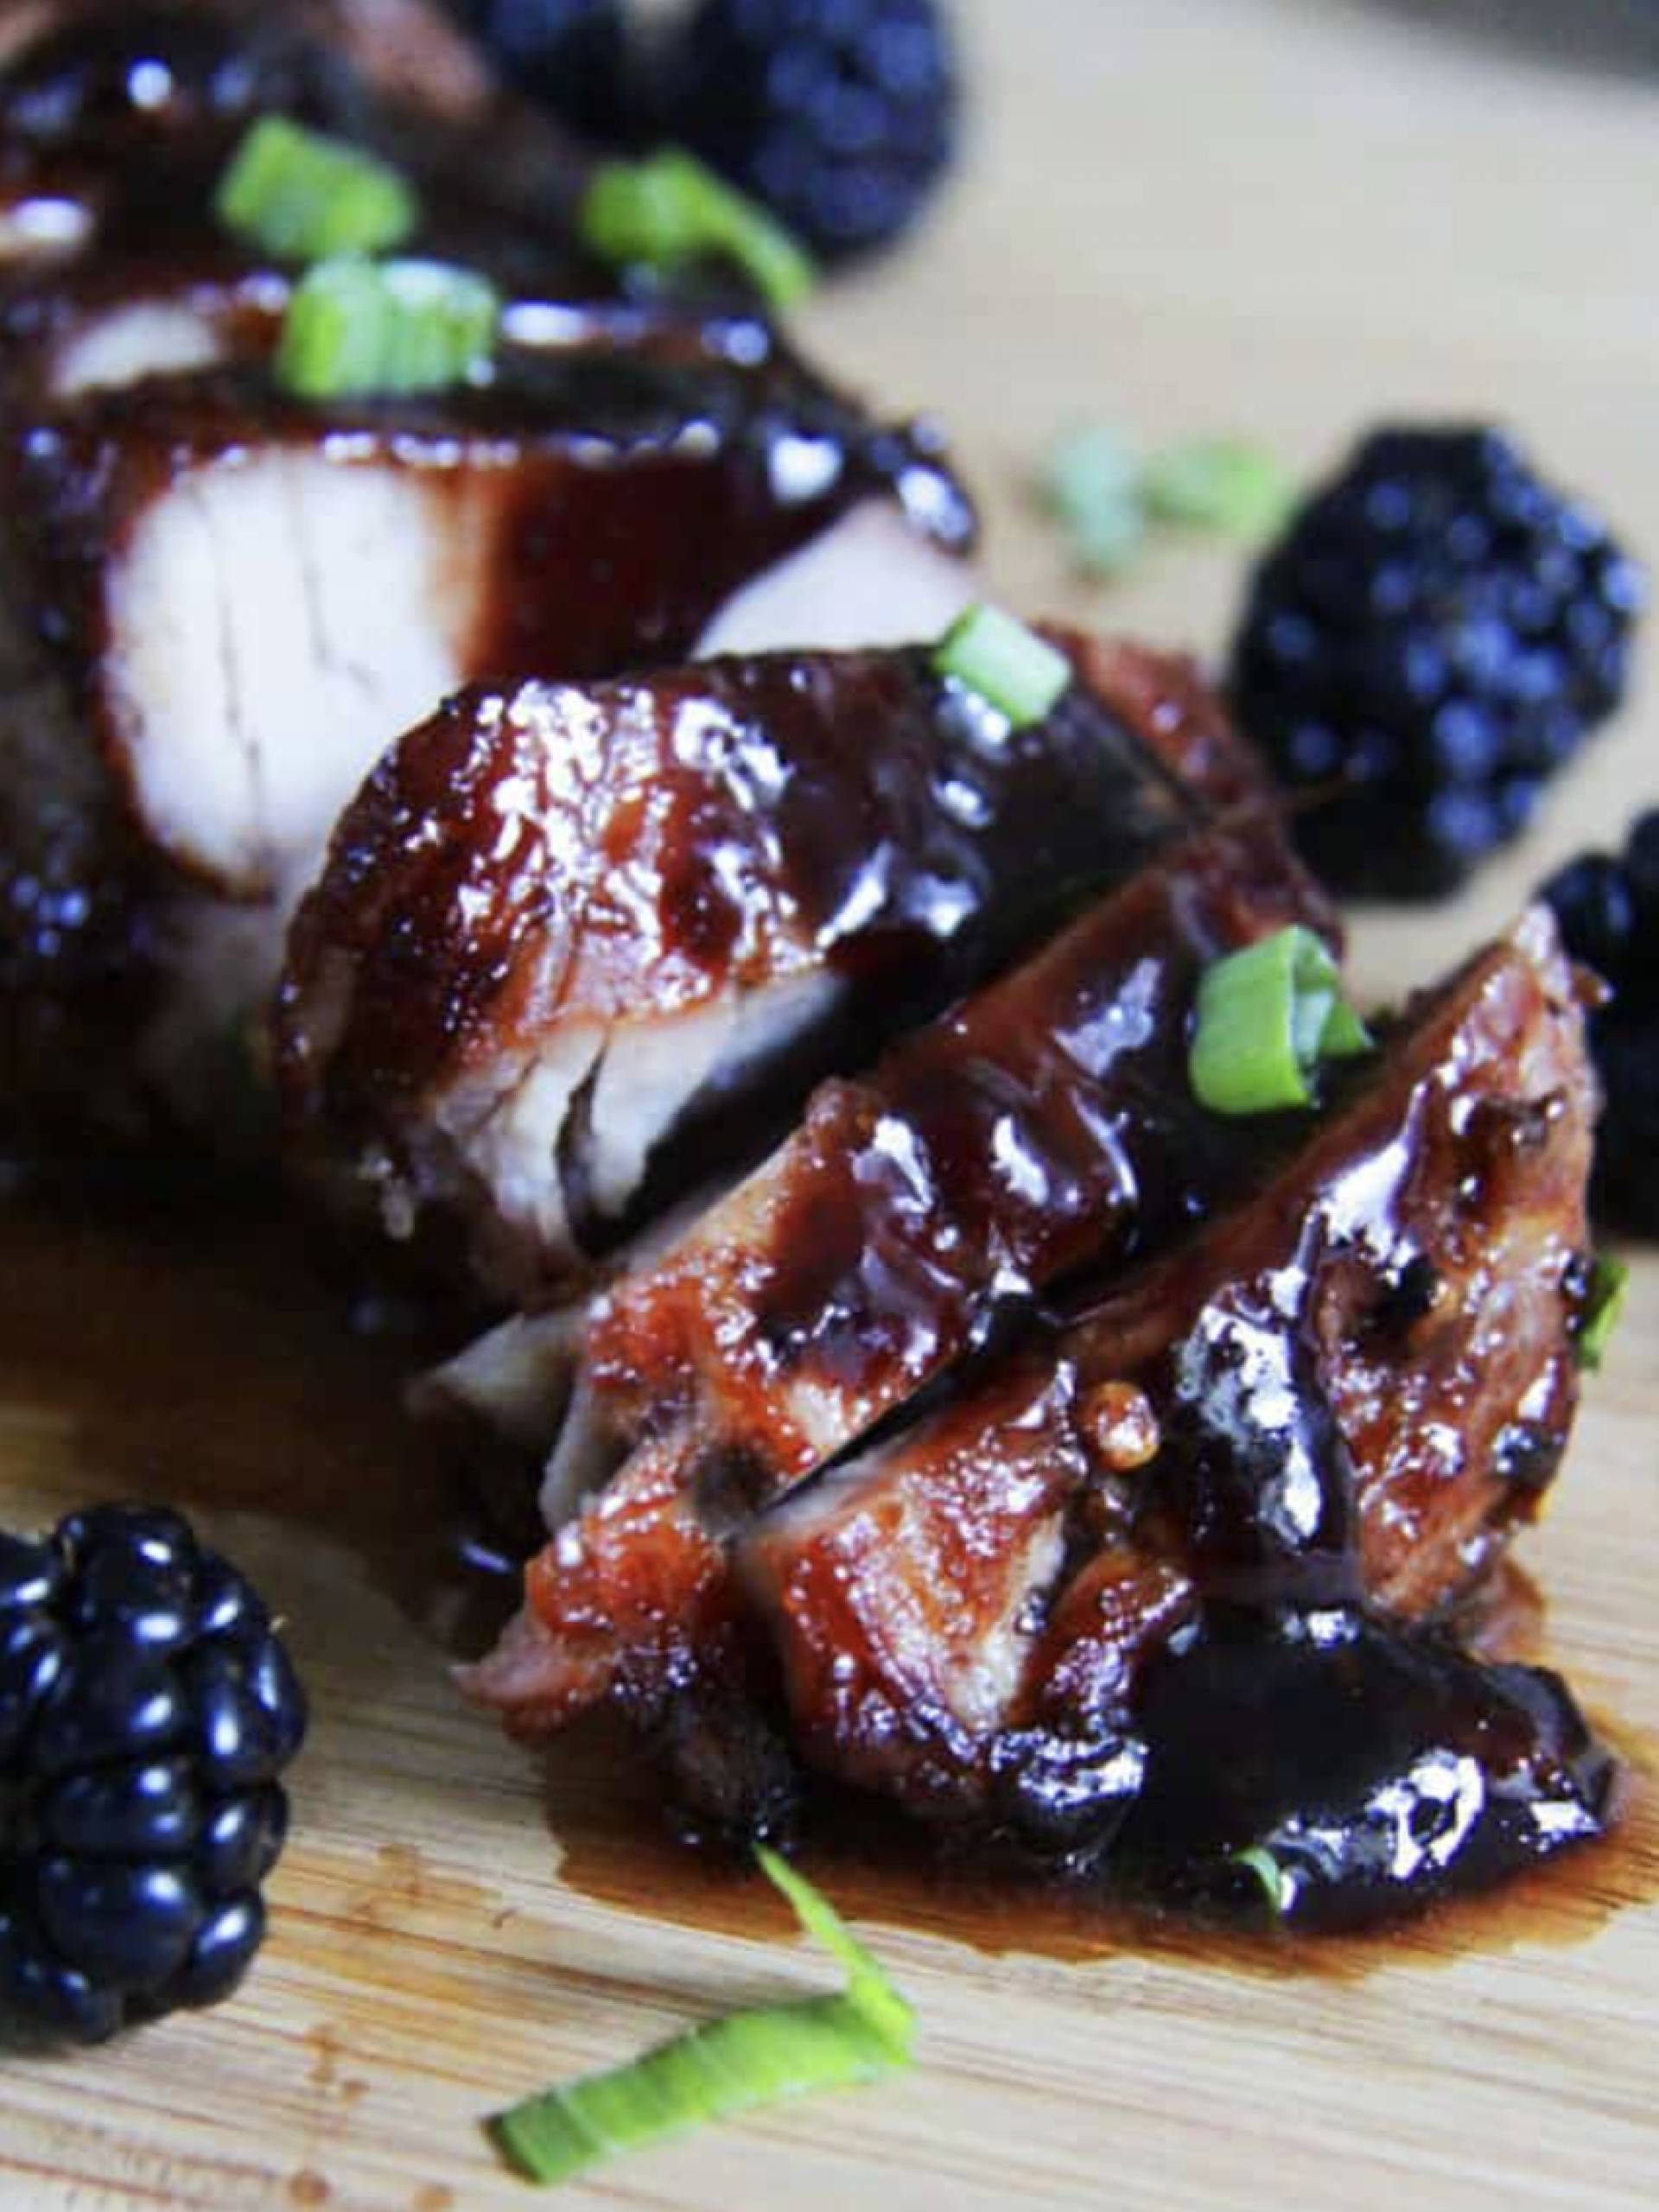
569 54
147 1707
839 115
1608 908
1433 638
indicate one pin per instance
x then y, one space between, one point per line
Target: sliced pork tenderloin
572 939
222 604
1352 1388
1044 1124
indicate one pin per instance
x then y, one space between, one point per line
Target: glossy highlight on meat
575 946
1333 1371
1042 1125
221 604
1277 1452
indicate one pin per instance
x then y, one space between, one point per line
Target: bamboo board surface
1274 216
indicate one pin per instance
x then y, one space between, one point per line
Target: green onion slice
727 2068
1090 481
1009 666
1259 1866
670 209
1609 1283
1267 1017
307 198
360 328
1218 483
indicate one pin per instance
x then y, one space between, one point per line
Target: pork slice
229 602
1046 1123
571 940
963 1616
238 605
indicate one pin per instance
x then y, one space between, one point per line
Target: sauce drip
1367 1770
1297 1748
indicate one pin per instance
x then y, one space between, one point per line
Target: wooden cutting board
1259 215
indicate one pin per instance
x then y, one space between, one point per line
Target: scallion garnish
729 2066
307 198
1267 1017
670 209
1609 1282
1224 485
360 329
1108 497
1258 1866
1092 483
1008 665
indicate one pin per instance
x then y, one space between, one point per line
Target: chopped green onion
360 328
1609 1283
670 209
1009 666
729 2066
1091 482
307 198
1218 483
1105 496
1259 1866
1267 1017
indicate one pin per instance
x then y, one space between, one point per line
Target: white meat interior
148 338
279 618
869 580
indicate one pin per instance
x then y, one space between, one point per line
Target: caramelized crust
1361 1378
570 940
221 603
1044 1124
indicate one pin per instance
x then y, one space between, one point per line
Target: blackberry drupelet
1433 638
569 54
1608 908
839 115
147 1707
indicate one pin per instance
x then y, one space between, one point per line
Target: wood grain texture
1269 215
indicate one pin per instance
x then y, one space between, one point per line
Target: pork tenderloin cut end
1371 1359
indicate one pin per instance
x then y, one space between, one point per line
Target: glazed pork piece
221 604
1139 1589
574 944
1354 1385
917 1210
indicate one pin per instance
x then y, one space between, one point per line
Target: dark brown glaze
995 1619
1372 1771
628 499
692 838
1441 1217
1073 1061
1046 1122
628 468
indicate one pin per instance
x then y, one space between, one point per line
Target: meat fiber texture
576 946
1376 1321
917 1211
219 604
